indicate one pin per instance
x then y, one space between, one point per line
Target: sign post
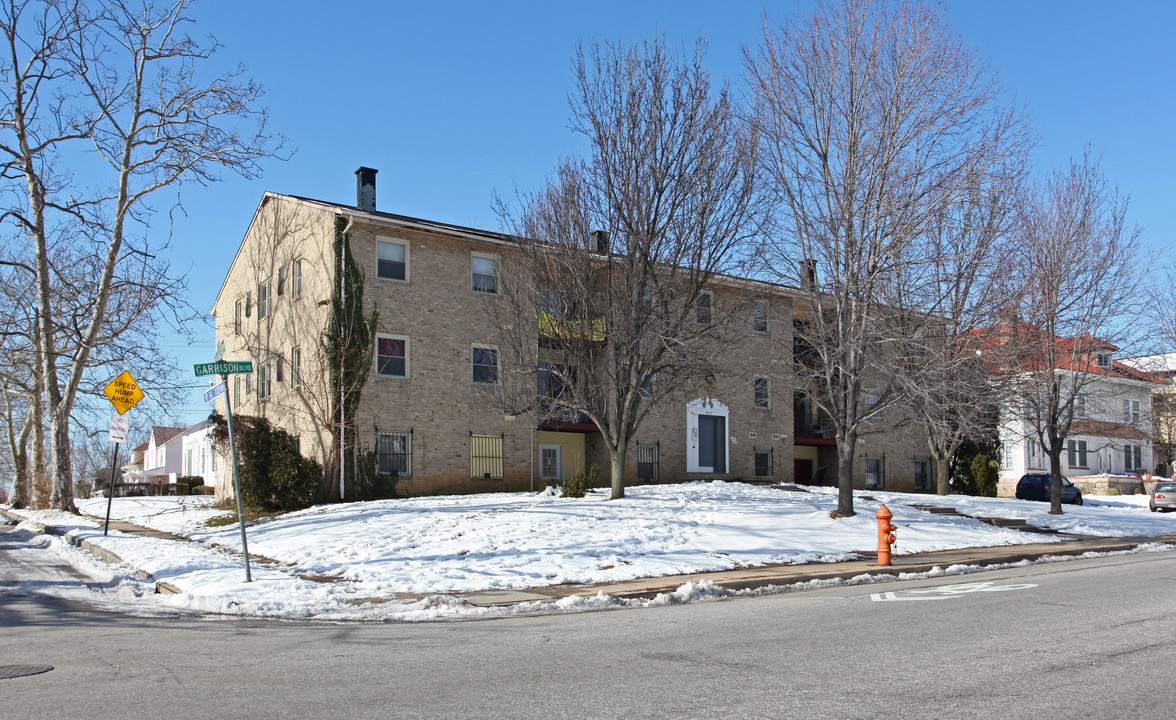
223 369
123 393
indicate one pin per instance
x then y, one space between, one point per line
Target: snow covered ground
413 558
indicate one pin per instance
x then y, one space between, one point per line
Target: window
1007 456
1080 405
295 367
485 365
922 476
392 260
296 278
238 313
392 356
486 456
761 397
1076 452
280 369
763 461
263 382
263 299
875 473
1132 457
648 384
485 273
703 306
281 280
248 303
647 462
237 390
759 316
1131 411
1103 360
873 400
248 384
394 453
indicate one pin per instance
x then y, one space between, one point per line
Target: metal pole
110 490
236 475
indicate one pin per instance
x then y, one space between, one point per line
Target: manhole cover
15 671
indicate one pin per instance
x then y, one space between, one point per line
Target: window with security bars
394 453
922 474
875 473
647 462
764 461
486 456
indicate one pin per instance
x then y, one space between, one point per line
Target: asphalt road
1088 638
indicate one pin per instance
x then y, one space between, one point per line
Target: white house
200 459
1110 442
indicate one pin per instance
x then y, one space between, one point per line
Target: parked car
1163 497
1035 486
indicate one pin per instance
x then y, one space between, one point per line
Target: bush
579 484
273 475
365 483
203 490
192 481
985 475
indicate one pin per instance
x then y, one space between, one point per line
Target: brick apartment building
426 407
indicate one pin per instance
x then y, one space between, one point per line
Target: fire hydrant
885 534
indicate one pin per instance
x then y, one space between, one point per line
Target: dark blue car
1035 486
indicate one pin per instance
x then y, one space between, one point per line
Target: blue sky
452 101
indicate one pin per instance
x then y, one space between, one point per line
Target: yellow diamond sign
123 392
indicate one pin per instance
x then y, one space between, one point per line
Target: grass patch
230 518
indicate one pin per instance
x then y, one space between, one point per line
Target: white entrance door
550 462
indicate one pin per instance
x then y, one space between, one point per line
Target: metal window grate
764 462
394 453
647 463
486 456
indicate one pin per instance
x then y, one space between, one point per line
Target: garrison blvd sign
123 392
223 368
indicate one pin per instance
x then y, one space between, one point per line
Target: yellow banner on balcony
552 326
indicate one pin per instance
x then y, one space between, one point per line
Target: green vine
346 343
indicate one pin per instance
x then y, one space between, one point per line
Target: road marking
947 592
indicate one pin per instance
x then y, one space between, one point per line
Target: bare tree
113 87
617 252
874 119
1078 257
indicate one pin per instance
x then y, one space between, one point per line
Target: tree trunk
1055 480
62 495
942 474
845 448
617 467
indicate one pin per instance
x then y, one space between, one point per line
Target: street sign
119 426
123 392
214 392
223 367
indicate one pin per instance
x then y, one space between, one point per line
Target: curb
98 552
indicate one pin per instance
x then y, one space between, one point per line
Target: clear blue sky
452 101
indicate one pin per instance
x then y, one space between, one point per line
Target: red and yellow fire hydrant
885 534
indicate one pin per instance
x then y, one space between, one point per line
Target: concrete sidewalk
741 579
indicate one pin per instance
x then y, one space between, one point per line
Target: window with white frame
484 272
392 356
1131 411
1132 457
281 289
392 259
1076 452
703 305
1080 405
237 390
761 398
1008 456
484 361
486 456
238 313
295 367
1103 359
759 316
264 381
248 384
264 301
296 278
280 369
394 453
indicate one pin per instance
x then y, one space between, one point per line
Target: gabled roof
1164 363
1078 354
162 434
1099 428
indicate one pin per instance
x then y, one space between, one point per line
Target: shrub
192 481
579 484
273 475
366 483
985 475
203 490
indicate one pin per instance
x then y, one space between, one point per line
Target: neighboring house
1162 367
162 459
426 410
1109 445
200 459
133 469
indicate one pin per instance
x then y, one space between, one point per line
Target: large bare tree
874 119
1078 257
115 91
616 253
